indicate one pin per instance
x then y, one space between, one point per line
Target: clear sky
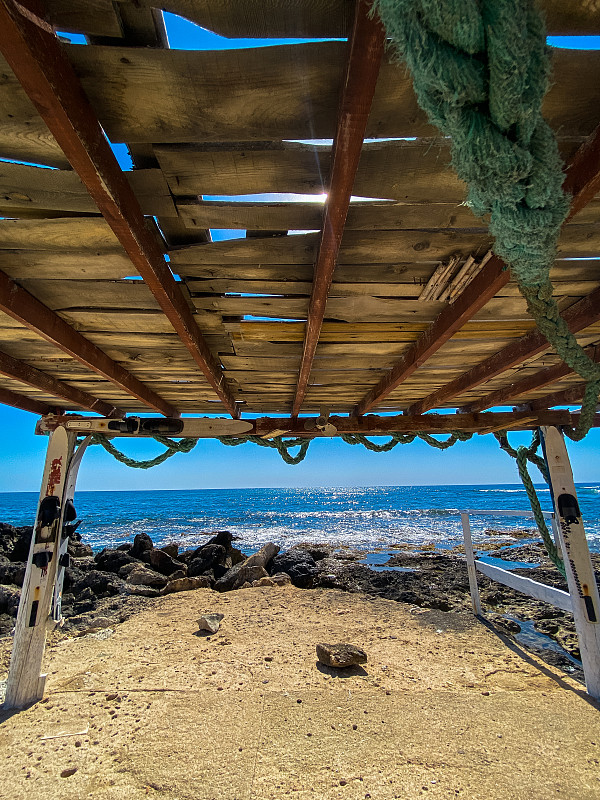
329 462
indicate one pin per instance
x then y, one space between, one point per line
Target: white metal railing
531 588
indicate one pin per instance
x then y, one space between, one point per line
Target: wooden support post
471 569
576 554
25 685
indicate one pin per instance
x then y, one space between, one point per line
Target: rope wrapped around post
480 71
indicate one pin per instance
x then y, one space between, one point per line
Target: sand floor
444 708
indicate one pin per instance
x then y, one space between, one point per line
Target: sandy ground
444 708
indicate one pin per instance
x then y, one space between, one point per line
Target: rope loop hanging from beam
182 446
480 70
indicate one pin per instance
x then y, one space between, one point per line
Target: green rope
522 456
282 446
183 446
480 70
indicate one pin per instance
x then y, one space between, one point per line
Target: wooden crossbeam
581 181
565 397
29 311
35 55
366 51
529 384
579 316
25 373
23 402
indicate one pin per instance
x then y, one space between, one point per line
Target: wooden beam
579 316
566 397
29 311
373 425
23 402
582 177
529 384
20 371
366 51
35 55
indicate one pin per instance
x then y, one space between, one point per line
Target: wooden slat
36 58
364 59
308 216
28 311
330 18
563 397
147 95
92 17
25 373
539 591
57 265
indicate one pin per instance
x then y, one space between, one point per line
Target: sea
370 519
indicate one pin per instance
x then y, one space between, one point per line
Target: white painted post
471 569
576 554
25 685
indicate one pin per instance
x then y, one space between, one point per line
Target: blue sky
329 462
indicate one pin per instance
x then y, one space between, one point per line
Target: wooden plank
46 75
364 60
28 311
563 397
92 17
61 265
16 400
148 95
330 18
71 295
73 234
25 373
539 591
581 580
308 216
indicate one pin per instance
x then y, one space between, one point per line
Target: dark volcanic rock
299 565
340 655
165 564
249 574
171 549
79 550
9 600
102 584
112 560
222 538
13 572
259 559
141 544
206 557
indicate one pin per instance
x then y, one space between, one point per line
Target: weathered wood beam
529 384
35 55
23 402
565 397
581 181
25 373
29 311
373 425
366 51
579 316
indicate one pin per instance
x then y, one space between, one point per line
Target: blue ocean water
365 518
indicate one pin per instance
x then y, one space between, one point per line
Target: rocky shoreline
105 588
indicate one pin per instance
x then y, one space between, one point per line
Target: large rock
102 584
9 600
186 585
171 549
141 543
206 558
112 560
249 574
164 564
79 549
299 565
222 538
143 576
259 559
340 655
210 622
12 572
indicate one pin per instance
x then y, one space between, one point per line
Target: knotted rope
523 455
182 446
480 70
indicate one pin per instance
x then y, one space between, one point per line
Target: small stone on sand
210 622
340 655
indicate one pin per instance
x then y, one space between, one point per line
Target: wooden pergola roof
114 299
